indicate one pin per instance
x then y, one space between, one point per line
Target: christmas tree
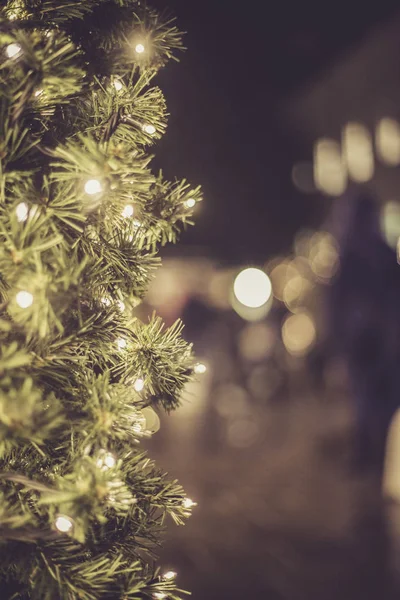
82 217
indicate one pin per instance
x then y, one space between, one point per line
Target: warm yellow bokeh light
387 141
390 223
93 186
330 173
22 211
24 299
298 333
169 575
324 255
357 152
200 368
12 50
252 287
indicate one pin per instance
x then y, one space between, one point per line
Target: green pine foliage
82 218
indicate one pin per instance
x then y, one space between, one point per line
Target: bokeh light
24 299
93 186
242 432
298 333
357 152
390 223
252 287
22 211
330 174
256 341
303 177
324 256
13 50
387 141
63 524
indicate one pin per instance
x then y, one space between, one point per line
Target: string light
128 211
139 384
150 129
200 368
121 305
38 93
63 524
121 343
93 186
188 503
106 461
106 301
159 595
190 202
169 575
21 211
12 50
24 299
139 48
118 84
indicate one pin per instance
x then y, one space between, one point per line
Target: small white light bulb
190 202
63 524
24 299
38 93
12 50
159 595
252 287
22 211
128 211
106 301
139 384
149 129
200 368
109 460
121 305
169 575
121 343
118 84
93 186
188 503
139 48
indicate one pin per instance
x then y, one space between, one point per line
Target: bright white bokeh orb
150 129
252 287
139 384
22 211
93 186
12 50
63 524
24 299
139 48
190 202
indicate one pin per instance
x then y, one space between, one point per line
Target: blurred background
288 115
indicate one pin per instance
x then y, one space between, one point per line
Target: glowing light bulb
24 299
121 343
190 202
200 368
63 524
118 84
128 211
121 305
169 575
139 384
139 48
106 301
188 503
252 287
93 186
106 461
12 50
22 211
38 93
159 595
150 129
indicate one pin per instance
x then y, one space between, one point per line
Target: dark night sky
227 130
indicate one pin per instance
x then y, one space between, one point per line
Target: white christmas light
38 93
106 461
63 524
139 48
121 305
169 575
188 503
200 368
118 84
139 384
24 299
252 287
128 211
150 129
190 202
106 301
93 186
22 211
12 50
121 343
